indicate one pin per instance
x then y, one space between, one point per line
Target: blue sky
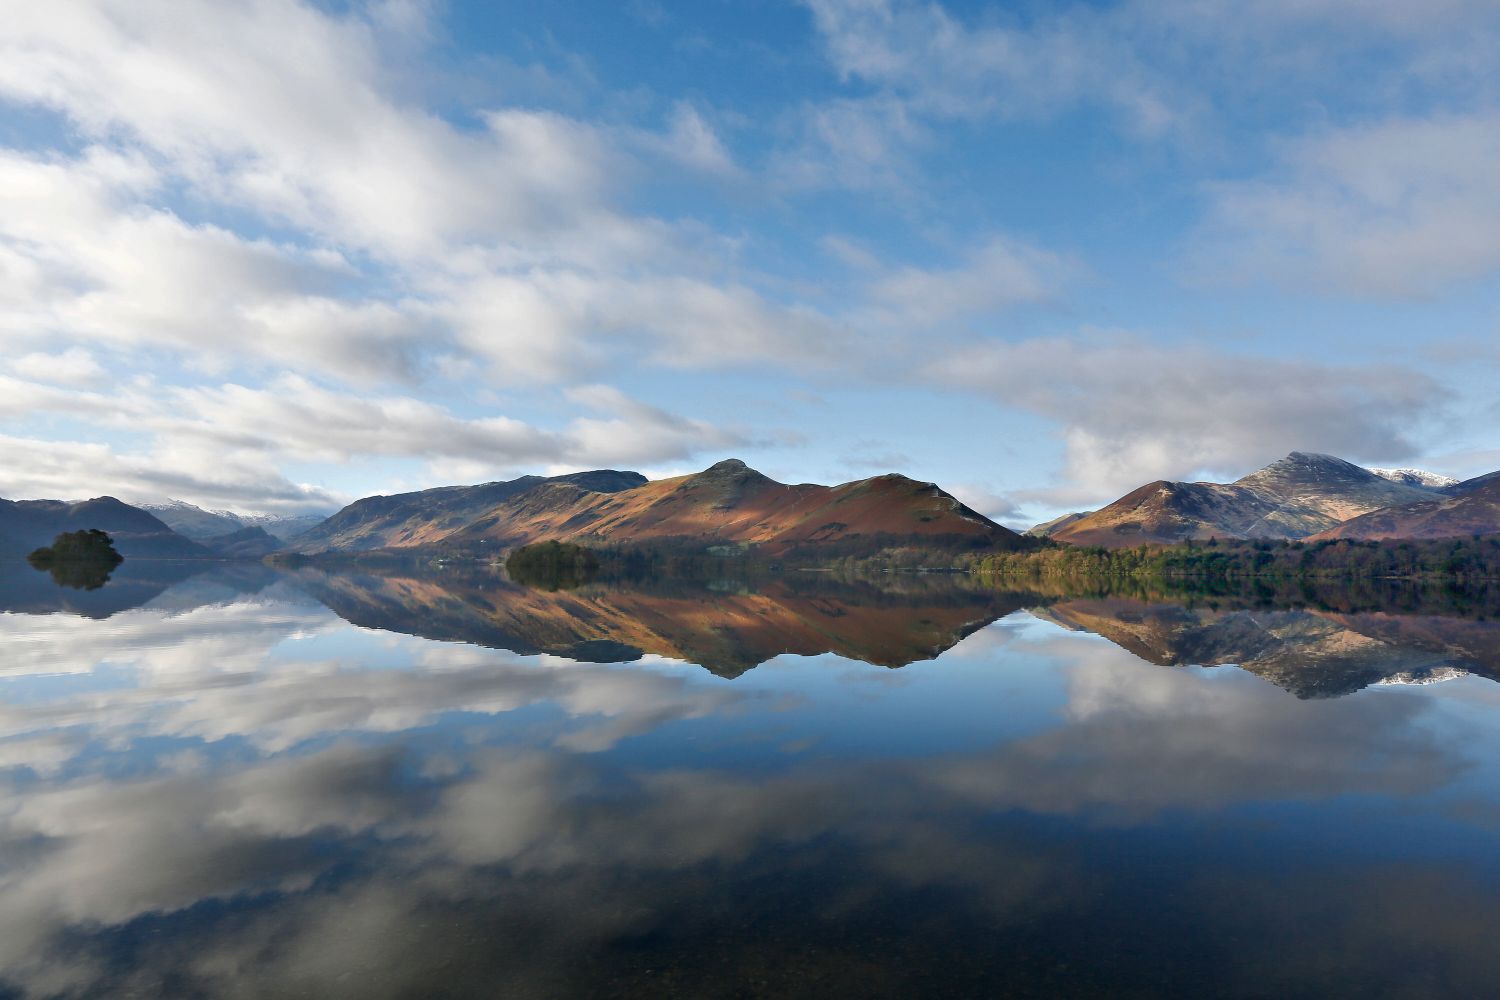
273 255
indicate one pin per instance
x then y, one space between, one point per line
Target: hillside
1297 496
30 524
732 503
425 517
1049 528
246 543
1470 508
726 504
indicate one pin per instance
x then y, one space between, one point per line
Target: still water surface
238 782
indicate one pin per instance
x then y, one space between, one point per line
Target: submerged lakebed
234 780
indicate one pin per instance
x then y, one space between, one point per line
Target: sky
275 255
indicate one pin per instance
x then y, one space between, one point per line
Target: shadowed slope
30 524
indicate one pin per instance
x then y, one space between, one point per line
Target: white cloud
73 470
1401 208
222 445
74 366
96 263
255 200
1130 411
1160 69
999 274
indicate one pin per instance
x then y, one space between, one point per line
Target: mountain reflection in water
231 781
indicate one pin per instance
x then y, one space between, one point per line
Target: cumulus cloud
1001 273
75 470
95 262
371 242
1130 411
74 366
222 445
1397 209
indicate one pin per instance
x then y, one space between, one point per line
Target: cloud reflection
249 802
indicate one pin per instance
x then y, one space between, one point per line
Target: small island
82 560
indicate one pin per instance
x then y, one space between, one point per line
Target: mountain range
727 504
201 525
730 507
30 524
1302 496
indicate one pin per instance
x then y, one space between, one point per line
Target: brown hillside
1473 508
728 503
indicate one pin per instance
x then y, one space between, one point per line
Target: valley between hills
731 511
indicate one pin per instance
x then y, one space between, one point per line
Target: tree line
1473 559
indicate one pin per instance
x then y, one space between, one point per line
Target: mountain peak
1316 459
1307 468
729 465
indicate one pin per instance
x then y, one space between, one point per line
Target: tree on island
552 565
82 560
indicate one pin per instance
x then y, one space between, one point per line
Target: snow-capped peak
1416 477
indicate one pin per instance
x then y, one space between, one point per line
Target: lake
228 780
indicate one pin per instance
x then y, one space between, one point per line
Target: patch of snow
1416 477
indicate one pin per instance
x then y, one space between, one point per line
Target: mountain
1297 496
29 524
1420 478
726 504
246 543
191 521
1049 528
198 524
406 520
1467 509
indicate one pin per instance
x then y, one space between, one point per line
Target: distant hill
1296 497
426 517
246 543
1461 511
728 503
30 524
1049 528
198 524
